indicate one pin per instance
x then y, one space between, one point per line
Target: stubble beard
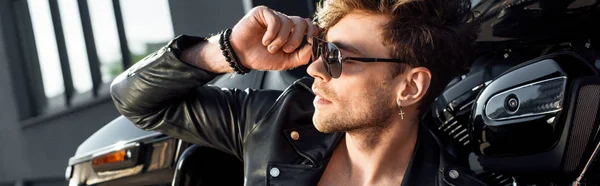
368 118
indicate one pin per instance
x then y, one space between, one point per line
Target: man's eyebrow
347 47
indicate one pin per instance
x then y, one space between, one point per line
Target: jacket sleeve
164 94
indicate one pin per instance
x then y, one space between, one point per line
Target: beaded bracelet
229 53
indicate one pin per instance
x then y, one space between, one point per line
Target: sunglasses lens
315 48
330 55
333 60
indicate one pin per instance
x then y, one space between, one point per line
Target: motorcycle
526 111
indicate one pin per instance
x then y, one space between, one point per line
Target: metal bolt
453 174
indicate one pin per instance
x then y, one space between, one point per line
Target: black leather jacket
162 93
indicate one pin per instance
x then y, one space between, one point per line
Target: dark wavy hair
436 34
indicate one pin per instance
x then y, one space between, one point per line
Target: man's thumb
299 57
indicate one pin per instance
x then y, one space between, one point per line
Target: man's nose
317 70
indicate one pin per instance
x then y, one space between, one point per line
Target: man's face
363 97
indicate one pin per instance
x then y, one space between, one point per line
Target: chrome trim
469 104
158 155
518 105
448 120
588 165
117 147
69 172
527 114
89 156
179 149
114 174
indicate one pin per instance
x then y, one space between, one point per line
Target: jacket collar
313 145
317 147
423 166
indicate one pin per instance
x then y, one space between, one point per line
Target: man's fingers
283 33
282 36
298 58
311 30
272 22
296 36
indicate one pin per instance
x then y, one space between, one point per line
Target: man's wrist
229 53
201 52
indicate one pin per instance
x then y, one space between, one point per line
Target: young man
357 125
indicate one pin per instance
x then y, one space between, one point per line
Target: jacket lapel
312 144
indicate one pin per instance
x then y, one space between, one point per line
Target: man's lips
320 99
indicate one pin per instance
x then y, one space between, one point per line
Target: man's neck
380 156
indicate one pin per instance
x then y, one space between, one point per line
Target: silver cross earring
401 111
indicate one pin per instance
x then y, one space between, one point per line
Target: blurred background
58 58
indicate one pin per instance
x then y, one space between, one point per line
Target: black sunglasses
332 57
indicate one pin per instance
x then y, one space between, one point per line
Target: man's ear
415 84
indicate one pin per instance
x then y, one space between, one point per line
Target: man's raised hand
262 40
268 40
